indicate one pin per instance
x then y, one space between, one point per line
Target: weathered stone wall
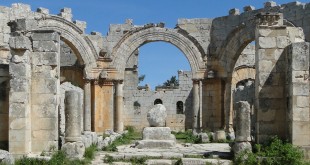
138 102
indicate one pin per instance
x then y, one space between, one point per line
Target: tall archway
133 40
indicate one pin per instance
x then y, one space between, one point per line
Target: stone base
6 157
74 150
155 144
241 146
157 133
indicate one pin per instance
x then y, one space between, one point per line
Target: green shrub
90 152
275 152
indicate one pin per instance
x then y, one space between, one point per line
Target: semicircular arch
73 37
131 42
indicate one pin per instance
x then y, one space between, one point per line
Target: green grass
124 139
187 137
59 158
274 152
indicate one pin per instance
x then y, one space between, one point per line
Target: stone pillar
228 107
73 147
87 106
20 96
72 113
119 106
195 113
298 94
243 127
45 90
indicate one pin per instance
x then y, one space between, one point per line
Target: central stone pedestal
156 137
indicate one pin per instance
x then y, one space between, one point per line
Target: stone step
159 162
198 161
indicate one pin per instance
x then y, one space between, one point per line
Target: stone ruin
260 56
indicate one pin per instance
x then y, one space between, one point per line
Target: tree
141 78
172 82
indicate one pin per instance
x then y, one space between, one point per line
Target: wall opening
180 107
158 101
4 107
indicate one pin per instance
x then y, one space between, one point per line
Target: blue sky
158 61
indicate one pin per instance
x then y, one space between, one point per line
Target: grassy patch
59 158
187 137
275 152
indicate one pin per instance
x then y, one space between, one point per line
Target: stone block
302 102
248 8
42 10
43 99
51 36
155 144
301 89
266 66
44 111
44 124
18 110
234 11
157 133
19 70
282 42
158 162
267 42
19 97
241 146
299 77
299 56
300 114
20 42
74 150
6 157
20 84
270 4
45 135
24 25
47 85
45 46
220 135
18 123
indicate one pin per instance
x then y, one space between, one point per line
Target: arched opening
158 101
127 60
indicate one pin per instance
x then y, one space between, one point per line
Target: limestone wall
139 102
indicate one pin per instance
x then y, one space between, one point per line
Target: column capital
196 80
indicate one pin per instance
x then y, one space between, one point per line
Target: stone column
195 113
74 147
243 127
87 106
119 106
228 107
73 127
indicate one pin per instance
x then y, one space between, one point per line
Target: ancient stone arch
133 40
73 37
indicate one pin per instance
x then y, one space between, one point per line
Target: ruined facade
43 55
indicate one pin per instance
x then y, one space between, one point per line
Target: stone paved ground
188 153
